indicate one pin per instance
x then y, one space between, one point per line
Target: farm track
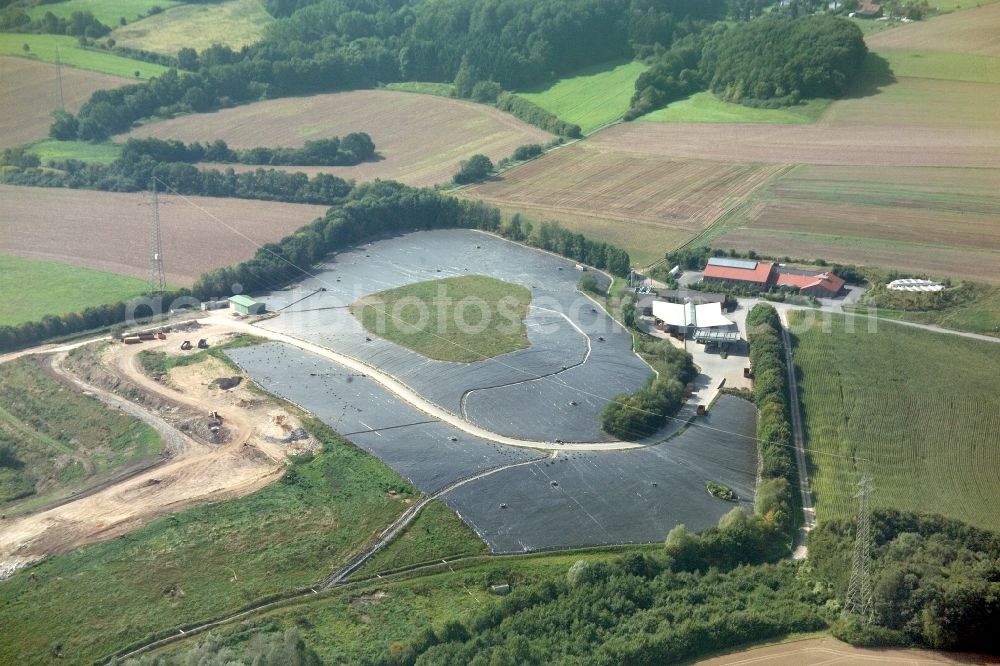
242 461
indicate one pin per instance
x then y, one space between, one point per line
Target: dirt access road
248 456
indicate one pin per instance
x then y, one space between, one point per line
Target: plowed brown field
421 138
29 94
624 192
967 31
841 144
110 231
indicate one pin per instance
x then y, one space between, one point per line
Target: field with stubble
110 231
945 221
421 138
636 201
29 94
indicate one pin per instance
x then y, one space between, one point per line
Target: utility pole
860 597
157 282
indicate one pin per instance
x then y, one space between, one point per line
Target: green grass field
593 97
939 65
437 533
45 48
234 23
60 441
203 561
99 153
704 107
921 407
33 288
424 88
460 319
107 12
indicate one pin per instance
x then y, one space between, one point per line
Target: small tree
588 282
25 47
475 168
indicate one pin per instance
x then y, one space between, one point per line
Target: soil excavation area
210 459
421 138
110 231
29 93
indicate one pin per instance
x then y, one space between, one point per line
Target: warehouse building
723 270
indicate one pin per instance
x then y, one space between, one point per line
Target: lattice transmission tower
860 599
157 280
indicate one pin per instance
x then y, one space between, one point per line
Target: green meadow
49 48
593 97
33 288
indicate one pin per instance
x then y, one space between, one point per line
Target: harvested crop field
859 144
29 94
421 138
941 221
110 231
914 102
594 180
968 31
233 23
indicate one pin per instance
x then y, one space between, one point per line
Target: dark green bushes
776 61
352 149
473 170
632 416
527 151
936 581
637 609
775 500
531 113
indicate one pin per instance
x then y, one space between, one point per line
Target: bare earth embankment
421 138
245 454
29 93
110 231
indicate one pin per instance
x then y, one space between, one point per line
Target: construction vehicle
186 345
203 344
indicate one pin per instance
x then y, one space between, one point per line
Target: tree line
79 24
135 172
352 149
348 44
388 208
634 416
634 609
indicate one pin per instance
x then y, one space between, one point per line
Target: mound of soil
226 383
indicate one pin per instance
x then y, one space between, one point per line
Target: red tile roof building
823 284
721 269
764 274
